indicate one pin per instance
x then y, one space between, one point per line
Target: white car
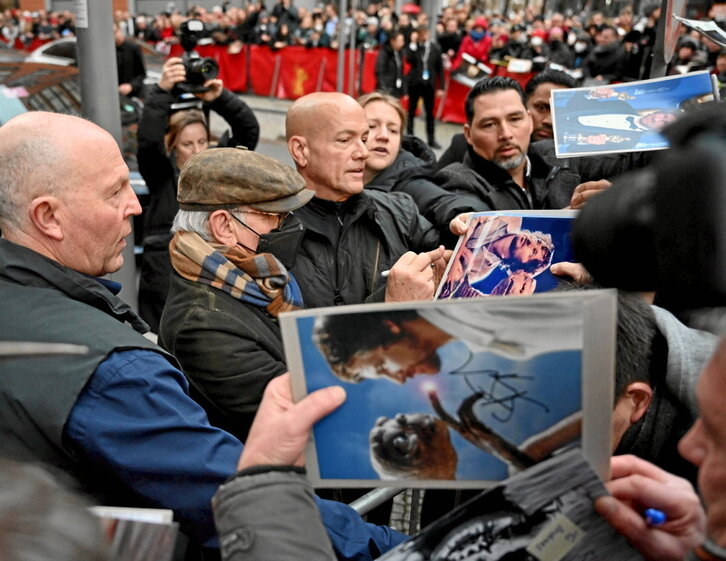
62 52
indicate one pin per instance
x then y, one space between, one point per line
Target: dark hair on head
549 76
606 27
535 266
339 337
486 86
395 32
635 338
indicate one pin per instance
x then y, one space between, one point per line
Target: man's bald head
39 150
307 116
65 191
326 135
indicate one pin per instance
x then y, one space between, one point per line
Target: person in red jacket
477 43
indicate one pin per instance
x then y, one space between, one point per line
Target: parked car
62 52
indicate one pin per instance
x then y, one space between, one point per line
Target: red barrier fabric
292 72
34 44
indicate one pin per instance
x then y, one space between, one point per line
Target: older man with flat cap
231 279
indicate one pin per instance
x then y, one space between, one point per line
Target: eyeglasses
281 216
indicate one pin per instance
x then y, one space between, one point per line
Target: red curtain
292 72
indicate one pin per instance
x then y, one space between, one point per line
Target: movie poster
458 393
623 117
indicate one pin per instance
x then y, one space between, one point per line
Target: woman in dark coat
406 164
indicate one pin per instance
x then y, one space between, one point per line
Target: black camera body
198 69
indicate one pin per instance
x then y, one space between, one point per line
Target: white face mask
536 41
580 47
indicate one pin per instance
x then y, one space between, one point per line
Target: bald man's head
39 151
307 116
65 191
326 134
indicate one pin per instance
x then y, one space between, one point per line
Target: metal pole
351 54
372 499
100 100
658 65
339 85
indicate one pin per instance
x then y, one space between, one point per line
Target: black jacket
228 349
389 71
130 67
433 64
412 172
567 173
606 61
495 187
348 245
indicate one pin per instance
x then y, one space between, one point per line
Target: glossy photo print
508 253
451 394
624 117
544 513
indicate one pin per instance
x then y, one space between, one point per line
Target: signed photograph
508 253
458 393
624 117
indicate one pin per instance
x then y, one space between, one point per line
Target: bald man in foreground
117 420
354 237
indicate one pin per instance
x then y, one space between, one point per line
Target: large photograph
544 513
449 394
508 253
623 117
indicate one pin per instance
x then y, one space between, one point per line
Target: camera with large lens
198 69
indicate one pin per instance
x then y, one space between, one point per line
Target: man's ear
45 217
640 394
467 133
298 148
220 225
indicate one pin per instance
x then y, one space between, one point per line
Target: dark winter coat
412 172
551 183
348 245
228 349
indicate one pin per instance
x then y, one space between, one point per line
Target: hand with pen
637 486
415 276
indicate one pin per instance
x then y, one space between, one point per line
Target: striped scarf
260 280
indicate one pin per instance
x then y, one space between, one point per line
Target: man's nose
505 131
361 151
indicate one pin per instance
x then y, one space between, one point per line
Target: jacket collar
21 265
537 167
319 213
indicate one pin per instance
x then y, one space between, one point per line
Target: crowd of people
368 214
609 49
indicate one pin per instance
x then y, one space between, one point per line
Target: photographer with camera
167 139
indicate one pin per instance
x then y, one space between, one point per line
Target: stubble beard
512 162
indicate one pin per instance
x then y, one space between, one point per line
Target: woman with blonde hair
166 141
405 163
